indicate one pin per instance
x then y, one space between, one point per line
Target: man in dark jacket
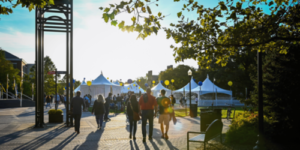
107 103
76 104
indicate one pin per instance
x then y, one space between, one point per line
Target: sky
98 46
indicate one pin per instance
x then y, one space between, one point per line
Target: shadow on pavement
65 142
135 145
91 141
14 135
41 140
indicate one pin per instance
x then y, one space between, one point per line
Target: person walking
132 108
164 104
48 100
87 102
99 110
173 100
147 103
107 104
57 101
119 101
76 104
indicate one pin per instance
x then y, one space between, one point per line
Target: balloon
121 84
172 80
139 87
161 81
230 83
146 84
89 83
128 88
200 83
73 81
167 82
139 80
107 78
129 81
153 81
133 84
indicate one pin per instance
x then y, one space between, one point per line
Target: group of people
147 107
49 99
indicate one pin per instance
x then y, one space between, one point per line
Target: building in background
18 63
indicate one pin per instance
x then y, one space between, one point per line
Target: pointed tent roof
116 82
187 87
82 83
159 87
209 87
101 80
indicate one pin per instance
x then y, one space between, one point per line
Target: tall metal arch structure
53 24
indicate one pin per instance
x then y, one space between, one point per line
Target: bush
55 112
244 128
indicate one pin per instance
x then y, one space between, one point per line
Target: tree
63 83
280 86
29 4
49 81
7 68
142 81
246 25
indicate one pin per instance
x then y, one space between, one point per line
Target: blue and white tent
156 90
78 88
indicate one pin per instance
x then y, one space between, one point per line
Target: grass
182 111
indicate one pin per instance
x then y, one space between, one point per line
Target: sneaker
130 136
134 138
144 140
166 136
162 136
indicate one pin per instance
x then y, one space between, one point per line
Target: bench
213 130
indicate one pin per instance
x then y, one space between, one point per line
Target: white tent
156 90
186 88
100 86
116 82
78 88
134 87
210 87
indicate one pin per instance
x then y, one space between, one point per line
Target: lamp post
153 82
200 84
190 74
230 84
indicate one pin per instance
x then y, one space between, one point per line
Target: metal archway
52 24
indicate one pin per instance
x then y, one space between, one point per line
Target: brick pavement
17 132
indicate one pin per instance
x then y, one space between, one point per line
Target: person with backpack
99 110
165 110
133 115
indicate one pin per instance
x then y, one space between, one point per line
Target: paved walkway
17 132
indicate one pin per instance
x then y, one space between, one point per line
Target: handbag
136 116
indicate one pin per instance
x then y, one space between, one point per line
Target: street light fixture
190 74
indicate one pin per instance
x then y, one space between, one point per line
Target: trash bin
207 116
193 111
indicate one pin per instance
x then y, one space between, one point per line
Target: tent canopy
186 88
116 82
132 88
101 80
156 90
78 88
210 87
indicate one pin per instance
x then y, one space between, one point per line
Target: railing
13 96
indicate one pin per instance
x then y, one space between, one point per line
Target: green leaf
159 14
112 16
133 19
114 22
128 9
149 10
176 0
111 5
154 30
105 17
106 9
121 25
222 5
179 14
101 8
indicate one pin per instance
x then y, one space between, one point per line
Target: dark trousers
77 118
147 115
99 119
132 123
106 112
